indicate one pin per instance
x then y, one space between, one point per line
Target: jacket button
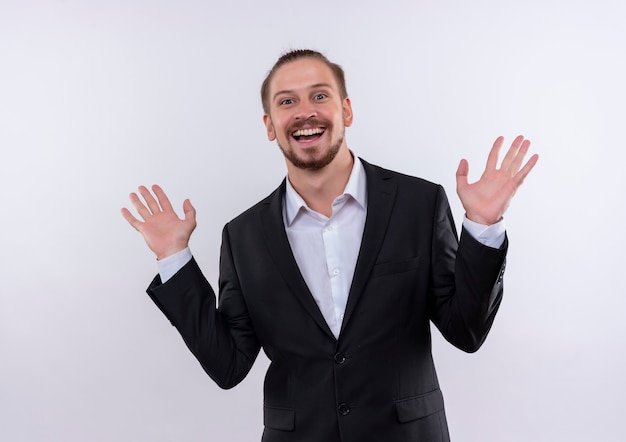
340 358
343 409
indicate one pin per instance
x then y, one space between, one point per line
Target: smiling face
307 116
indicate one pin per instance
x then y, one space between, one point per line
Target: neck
319 188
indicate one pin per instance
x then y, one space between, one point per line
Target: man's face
307 115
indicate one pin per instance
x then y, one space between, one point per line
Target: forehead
301 74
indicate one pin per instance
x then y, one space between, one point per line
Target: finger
523 173
134 222
519 158
150 201
164 201
512 152
139 206
492 159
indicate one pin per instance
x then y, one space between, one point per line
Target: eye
319 97
286 102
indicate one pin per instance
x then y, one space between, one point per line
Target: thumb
190 211
461 174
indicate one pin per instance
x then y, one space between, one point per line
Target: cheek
280 128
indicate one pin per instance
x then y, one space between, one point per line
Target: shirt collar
355 188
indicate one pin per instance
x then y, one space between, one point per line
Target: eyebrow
313 86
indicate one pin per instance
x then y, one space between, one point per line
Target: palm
164 232
486 200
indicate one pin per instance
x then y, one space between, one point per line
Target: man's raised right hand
164 232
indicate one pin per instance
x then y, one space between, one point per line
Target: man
337 274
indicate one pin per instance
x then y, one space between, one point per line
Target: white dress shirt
326 248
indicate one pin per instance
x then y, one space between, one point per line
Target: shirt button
340 358
336 271
344 409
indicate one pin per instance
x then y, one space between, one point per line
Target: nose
305 110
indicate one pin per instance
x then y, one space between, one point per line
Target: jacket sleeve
466 281
222 339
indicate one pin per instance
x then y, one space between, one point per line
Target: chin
310 162
317 158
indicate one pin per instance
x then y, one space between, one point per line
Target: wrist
485 221
170 251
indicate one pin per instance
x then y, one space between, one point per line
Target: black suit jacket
377 381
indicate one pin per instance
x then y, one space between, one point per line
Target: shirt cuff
173 263
491 236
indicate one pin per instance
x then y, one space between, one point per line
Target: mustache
299 124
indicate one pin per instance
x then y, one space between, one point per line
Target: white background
99 97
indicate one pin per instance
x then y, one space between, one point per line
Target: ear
269 127
347 112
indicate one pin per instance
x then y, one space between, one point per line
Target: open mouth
306 135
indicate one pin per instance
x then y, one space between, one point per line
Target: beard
310 161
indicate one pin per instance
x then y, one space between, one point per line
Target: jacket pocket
279 418
417 407
388 268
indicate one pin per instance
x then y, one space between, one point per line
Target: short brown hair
297 54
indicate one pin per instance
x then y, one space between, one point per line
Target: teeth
308 132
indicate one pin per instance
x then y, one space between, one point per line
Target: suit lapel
277 242
381 194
